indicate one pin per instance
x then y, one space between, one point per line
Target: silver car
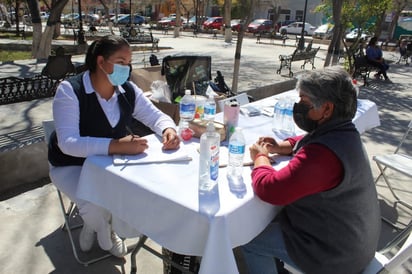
296 28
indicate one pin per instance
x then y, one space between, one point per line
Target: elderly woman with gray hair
330 220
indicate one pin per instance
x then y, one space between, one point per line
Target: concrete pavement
32 241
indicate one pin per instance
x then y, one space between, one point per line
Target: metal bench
21 138
307 55
361 67
135 36
16 89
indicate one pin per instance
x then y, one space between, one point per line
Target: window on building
299 15
285 14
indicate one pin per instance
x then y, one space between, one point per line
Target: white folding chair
398 161
381 264
70 212
241 98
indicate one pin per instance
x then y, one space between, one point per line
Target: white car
353 35
323 32
296 28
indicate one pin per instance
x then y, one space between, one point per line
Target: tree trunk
334 46
249 8
177 25
393 25
44 49
236 65
227 26
42 42
37 33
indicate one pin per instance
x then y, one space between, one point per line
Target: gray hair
332 84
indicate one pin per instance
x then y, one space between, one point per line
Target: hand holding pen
130 144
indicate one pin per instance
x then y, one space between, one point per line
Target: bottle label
214 162
236 149
187 108
210 110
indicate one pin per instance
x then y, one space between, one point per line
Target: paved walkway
32 241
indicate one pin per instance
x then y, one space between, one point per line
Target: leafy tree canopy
360 13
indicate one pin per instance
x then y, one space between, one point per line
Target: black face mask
300 116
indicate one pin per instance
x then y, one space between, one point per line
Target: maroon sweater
292 182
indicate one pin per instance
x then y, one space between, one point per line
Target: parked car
283 23
167 22
137 20
352 36
115 18
213 23
296 28
74 18
91 18
235 24
325 31
70 18
260 25
191 23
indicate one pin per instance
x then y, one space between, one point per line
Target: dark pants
383 67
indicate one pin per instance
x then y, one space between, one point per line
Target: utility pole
301 44
80 34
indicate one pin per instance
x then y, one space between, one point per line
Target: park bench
12 30
307 55
21 138
361 66
272 36
135 36
16 89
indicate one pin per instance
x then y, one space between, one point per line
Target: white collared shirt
66 115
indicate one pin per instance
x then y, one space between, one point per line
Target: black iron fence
16 89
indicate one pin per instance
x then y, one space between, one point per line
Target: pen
131 133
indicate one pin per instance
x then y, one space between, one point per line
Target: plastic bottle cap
188 92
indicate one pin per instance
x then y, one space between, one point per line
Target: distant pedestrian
110 24
375 58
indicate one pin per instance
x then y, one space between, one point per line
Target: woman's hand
269 143
170 139
258 148
130 144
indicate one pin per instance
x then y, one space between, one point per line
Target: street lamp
130 12
80 35
301 44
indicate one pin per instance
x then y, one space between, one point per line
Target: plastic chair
381 264
70 212
398 162
241 98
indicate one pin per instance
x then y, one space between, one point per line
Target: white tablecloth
162 201
367 116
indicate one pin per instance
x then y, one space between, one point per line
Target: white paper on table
154 154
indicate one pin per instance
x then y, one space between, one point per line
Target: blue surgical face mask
119 75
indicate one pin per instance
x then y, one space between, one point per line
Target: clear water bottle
209 158
288 122
237 146
278 116
210 109
187 106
